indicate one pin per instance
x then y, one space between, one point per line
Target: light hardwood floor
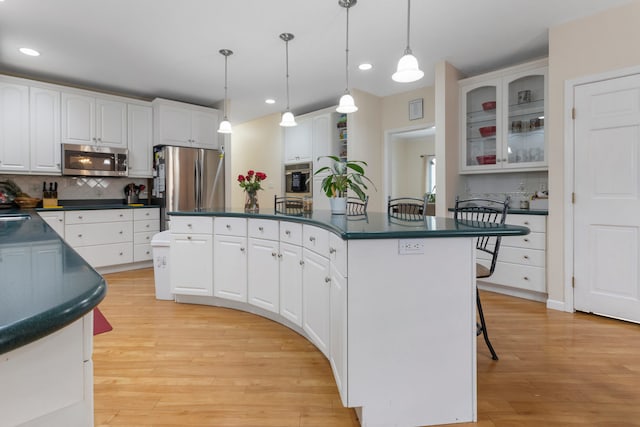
168 364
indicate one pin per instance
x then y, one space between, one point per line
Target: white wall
604 42
408 165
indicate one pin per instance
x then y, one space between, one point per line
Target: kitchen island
47 293
390 303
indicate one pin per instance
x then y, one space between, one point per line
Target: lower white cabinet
521 260
291 265
146 223
55 220
316 289
338 325
264 275
191 271
230 272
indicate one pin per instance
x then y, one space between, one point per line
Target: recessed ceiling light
28 51
270 101
366 66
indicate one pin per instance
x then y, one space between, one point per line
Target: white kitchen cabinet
264 274
338 330
55 220
185 125
102 237
14 127
298 141
316 297
502 120
520 269
44 126
93 120
146 223
191 252
291 266
230 258
140 140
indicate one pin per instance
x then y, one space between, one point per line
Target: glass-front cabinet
502 120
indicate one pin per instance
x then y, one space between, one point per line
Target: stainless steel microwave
298 179
92 160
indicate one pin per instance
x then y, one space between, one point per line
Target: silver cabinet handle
121 232
525 278
260 228
189 225
526 223
526 257
147 226
188 237
273 254
228 226
79 216
120 253
312 239
79 235
280 256
287 232
241 249
301 262
332 250
327 279
526 240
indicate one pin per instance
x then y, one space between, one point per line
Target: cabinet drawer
530 241
263 228
535 223
338 253
532 257
98 234
518 276
316 239
145 237
142 252
230 226
146 213
104 255
146 225
191 224
97 216
291 232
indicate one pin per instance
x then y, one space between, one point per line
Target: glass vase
251 202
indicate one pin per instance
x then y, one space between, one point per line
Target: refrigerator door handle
197 180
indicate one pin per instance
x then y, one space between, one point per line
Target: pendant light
288 120
347 104
408 70
225 125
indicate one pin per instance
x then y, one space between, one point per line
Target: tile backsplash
518 185
77 188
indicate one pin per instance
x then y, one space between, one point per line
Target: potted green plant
343 176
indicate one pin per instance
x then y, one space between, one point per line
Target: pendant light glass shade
408 70
225 125
347 103
288 120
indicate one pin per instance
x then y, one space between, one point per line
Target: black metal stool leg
483 327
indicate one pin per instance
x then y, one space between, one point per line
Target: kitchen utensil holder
132 199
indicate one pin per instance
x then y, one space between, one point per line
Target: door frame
569 171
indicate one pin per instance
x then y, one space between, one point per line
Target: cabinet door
191 271
174 126
298 141
338 350
14 128
140 140
481 124
230 274
264 274
525 135
44 123
111 123
316 296
291 282
55 220
78 119
204 129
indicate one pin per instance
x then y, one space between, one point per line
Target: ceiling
169 49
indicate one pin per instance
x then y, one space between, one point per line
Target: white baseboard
557 305
514 292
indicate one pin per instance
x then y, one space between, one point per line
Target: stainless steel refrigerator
187 179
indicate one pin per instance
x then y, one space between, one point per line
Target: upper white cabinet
502 120
44 127
93 120
298 141
140 140
14 127
186 125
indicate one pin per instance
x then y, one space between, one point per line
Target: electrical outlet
410 246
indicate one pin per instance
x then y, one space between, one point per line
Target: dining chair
476 212
407 208
289 205
355 206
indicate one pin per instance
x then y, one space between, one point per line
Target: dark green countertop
514 211
44 284
378 225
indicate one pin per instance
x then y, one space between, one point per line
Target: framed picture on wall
415 109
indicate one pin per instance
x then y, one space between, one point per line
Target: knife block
49 199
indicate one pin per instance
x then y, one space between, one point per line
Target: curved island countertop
44 284
376 225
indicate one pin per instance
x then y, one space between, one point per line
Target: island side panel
411 338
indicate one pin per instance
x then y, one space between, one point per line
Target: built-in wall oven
298 179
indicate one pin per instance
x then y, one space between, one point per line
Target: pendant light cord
407 51
286 43
226 57
347 54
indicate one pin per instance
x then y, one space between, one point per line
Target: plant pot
338 205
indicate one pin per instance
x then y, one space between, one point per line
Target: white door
45 130
264 275
230 274
607 198
111 123
291 282
78 119
316 295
